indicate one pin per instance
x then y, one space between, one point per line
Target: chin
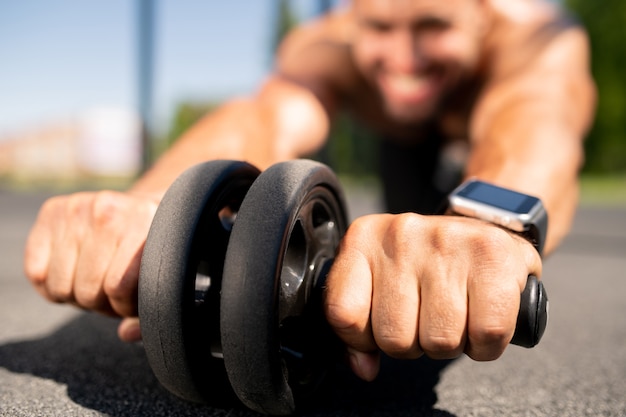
411 114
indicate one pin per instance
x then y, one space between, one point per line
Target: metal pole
323 6
145 46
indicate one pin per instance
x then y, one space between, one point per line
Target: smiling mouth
409 88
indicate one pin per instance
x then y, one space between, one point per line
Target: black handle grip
533 314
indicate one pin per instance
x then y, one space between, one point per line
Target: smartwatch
521 213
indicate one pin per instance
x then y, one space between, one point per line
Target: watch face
502 198
512 210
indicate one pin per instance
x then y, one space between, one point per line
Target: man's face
416 51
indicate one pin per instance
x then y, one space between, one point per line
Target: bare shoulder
540 61
335 27
531 35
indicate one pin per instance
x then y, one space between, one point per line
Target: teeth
407 83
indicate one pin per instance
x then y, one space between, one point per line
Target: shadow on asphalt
103 374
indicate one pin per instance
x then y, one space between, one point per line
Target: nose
404 54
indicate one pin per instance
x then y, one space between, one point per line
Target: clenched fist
85 249
409 284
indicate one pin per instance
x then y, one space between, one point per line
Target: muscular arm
528 128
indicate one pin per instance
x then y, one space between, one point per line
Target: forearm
543 161
528 130
227 133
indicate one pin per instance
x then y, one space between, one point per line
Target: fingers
492 317
52 271
365 365
396 301
85 249
97 249
129 330
347 305
347 308
409 285
371 301
95 259
494 290
443 313
37 254
348 301
532 259
108 272
121 280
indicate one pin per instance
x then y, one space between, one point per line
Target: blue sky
58 57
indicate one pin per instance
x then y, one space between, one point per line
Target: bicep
313 75
300 122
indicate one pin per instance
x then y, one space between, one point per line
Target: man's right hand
85 249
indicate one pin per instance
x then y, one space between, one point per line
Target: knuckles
477 244
472 247
490 242
398 344
76 206
488 343
59 293
490 335
105 208
340 316
360 231
72 217
117 288
89 296
403 236
444 346
34 269
97 210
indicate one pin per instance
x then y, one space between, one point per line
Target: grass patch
596 190
62 185
603 190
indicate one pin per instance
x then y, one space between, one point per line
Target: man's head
416 51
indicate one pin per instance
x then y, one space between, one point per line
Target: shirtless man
508 77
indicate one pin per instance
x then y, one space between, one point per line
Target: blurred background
92 92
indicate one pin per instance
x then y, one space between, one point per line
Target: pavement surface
59 361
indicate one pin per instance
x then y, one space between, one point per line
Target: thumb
129 330
365 365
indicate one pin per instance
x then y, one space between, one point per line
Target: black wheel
284 240
180 278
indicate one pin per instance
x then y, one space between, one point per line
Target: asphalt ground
58 361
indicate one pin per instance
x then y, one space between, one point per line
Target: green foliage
286 20
185 116
606 24
351 149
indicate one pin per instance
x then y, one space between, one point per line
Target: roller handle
533 314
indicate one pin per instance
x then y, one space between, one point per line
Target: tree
285 21
185 116
606 24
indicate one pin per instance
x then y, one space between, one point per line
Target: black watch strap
537 231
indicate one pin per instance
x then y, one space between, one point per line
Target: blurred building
97 143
